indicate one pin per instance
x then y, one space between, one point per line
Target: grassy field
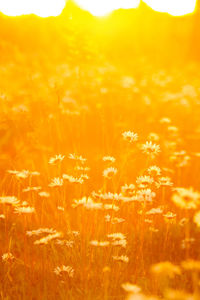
100 186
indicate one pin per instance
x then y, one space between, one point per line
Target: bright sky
173 7
45 8
103 7
42 8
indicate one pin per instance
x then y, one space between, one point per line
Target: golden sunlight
44 8
99 149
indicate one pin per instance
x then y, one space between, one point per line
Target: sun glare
45 8
41 8
104 7
173 7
